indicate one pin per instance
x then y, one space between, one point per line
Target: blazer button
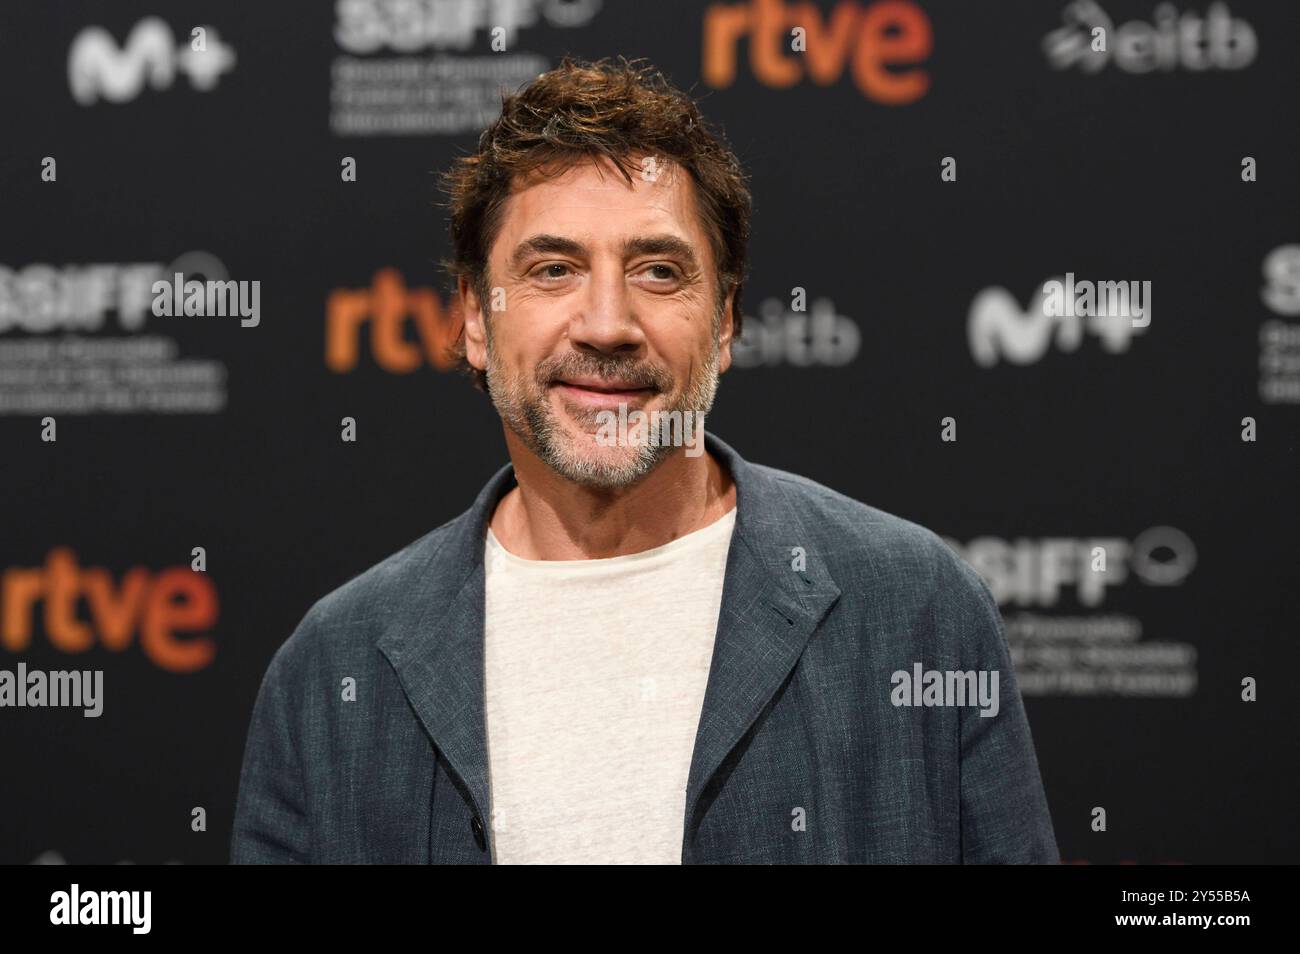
476 826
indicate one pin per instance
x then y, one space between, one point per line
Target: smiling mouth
601 395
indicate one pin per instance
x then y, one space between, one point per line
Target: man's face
599 294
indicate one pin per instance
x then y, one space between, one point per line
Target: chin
587 463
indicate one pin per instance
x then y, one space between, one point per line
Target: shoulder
381 588
874 553
344 625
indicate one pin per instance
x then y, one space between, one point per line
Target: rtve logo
874 42
157 606
385 309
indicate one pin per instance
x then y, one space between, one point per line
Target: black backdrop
176 433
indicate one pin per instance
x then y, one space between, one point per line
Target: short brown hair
613 108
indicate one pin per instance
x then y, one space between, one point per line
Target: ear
726 327
475 331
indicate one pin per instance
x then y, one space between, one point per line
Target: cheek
684 360
523 338
698 332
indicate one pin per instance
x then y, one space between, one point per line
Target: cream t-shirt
595 672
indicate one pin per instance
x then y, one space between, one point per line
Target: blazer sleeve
272 824
1004 814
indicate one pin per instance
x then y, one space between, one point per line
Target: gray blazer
803 754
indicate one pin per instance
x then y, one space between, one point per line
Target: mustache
637 374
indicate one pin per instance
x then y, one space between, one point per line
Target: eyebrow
645 245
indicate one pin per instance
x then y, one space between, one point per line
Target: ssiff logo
367 26
1031 572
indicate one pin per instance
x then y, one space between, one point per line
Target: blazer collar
434 635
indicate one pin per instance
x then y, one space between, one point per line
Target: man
635 647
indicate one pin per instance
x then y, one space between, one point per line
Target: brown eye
668 269
548 271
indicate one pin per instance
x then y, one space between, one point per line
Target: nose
603 318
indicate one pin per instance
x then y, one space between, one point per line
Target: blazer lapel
769 610
435 644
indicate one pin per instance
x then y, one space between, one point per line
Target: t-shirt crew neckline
700 536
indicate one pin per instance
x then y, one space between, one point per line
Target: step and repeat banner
1027 273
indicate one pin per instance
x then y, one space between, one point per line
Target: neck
547 517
